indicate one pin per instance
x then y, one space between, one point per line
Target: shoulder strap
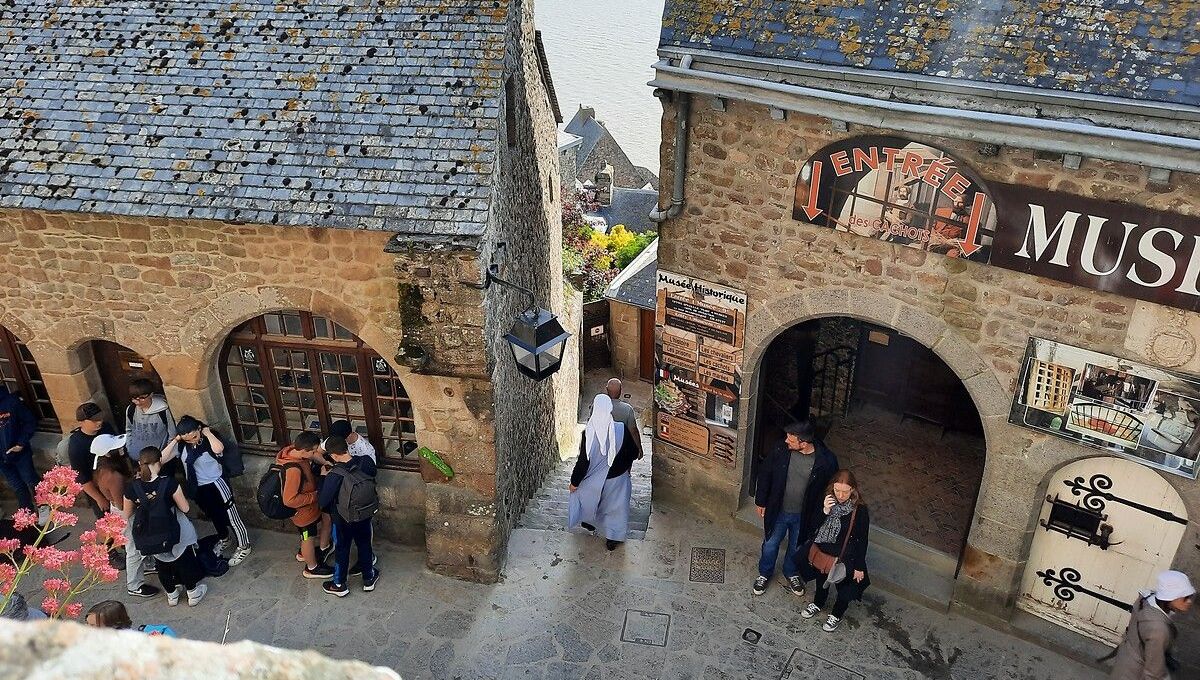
162 415
140 491
849 530
128 416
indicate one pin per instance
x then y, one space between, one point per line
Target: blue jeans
787 524
19 473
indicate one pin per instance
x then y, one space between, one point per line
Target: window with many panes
290 371
20 374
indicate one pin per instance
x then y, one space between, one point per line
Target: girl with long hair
842 538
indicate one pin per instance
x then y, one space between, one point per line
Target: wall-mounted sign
699 358
911 194
1145 413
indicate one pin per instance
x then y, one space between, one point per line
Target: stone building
284 214
598 149
631 304
970 257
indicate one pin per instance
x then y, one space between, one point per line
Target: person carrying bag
837 555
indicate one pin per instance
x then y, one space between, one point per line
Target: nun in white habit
600 483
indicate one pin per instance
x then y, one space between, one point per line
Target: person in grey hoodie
148 419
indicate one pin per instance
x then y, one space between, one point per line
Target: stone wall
737 230
625 339
52 649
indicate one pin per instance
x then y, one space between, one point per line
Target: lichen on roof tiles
1134 49
377 114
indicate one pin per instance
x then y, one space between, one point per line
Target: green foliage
591 260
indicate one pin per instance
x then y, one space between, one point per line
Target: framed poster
700 334
1149 414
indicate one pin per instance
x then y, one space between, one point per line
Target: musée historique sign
912 194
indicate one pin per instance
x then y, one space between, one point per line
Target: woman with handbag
838 553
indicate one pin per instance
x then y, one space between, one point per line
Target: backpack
213 564
162 415
231 458
62 452
357 498
270 492
155 526
157 629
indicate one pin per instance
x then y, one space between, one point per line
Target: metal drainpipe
682 113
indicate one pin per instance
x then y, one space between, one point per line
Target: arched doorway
289 371
895 414
19 373
1107 526
118 366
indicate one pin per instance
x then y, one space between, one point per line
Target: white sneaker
196 594
810 611
239 555
221 546
173 596
831 624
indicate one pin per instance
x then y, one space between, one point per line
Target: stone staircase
547 510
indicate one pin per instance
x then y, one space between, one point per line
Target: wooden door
646 344
1079 584
118 366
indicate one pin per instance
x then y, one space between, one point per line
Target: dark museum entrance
898 417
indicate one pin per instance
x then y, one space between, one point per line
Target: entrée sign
911 194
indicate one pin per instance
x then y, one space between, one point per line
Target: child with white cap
1145 652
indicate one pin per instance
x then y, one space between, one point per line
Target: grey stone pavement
567 608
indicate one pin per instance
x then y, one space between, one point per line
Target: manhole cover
646 628
708 565
752 636
802 665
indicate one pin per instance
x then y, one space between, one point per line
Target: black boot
587 526
611 544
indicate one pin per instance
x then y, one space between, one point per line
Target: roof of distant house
631 207
1122 48
319 113
600 148
637 283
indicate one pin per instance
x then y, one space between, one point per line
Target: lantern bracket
492 275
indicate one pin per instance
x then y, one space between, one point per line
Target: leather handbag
833 567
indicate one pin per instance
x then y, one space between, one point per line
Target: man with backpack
290 489
349 495
201 451
148 420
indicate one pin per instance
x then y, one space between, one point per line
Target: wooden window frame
312 346
10 346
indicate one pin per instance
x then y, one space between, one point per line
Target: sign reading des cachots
912 194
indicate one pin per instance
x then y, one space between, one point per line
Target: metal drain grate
646 628
708 565
802 664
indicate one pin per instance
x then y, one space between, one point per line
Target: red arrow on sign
810 209
969 246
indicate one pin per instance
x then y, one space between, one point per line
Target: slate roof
636 284
600 148
631 207
341 113
1135 49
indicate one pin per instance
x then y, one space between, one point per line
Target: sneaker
146 590
587 526
335 589
221 546
831 624
319 571
239 555
369 583
323 554
196 594
173 596
795 585
356 570
810 611
150 566
760 585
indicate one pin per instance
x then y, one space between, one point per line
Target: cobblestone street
566 608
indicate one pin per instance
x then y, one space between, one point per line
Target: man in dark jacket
17 425
346 531
790 490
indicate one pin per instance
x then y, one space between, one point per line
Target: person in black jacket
842 537
345 531
17 425
791 483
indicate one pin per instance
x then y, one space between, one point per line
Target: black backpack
213 564
155 525
270 492
357 498
231 458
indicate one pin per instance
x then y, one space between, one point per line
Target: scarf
600 431
828 533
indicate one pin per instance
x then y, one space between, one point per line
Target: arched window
289 371
20 373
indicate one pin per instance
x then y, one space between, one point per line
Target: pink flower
23 519
9 545
63 519
74 610
88 536
52 558
110 525
50 605
56 585
93 557
7 572
58 488
108 573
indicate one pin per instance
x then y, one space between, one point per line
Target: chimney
604 186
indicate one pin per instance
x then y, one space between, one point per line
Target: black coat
772 481
855 555
621 463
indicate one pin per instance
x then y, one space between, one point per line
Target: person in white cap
112 474
1145 652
